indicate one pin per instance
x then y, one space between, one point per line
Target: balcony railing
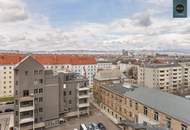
80 105
29 108
83 96
26 120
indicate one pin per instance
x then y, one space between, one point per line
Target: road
96 117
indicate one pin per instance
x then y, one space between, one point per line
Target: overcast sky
46 25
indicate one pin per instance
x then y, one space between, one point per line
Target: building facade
166 77
145 106
83 65
42 96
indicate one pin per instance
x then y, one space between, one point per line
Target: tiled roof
6 58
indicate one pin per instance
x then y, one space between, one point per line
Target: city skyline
99 25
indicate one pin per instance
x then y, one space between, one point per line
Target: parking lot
96 117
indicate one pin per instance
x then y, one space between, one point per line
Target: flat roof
161 65
174 106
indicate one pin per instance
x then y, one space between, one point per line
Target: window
16 113
16 82
130 114
16 72
183 127
40 109
168 122
26 73
35 72
41 90
70 101
65 93
10 67
4 67
70 92
156 116
41 81
136 106
9 77
130 103
26 93
41 99
145 111
35 90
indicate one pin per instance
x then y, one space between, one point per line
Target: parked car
95 126
90 126
101 126
83 127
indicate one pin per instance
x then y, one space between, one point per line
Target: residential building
144 106
42 96
83 65
107 76
103 64
166 77
29 88
73 94
7 64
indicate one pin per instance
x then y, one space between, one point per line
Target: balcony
28 98
26 120
83 88
80 105
29 127
29 108
83 112
83 96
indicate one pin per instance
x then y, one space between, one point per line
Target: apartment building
134 106
83 65
29 95
73 94
7 64
166 77
185 77
42 96
103 64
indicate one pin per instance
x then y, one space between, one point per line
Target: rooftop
172 105
108 74
11 58
161 65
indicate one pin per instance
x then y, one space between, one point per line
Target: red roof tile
6 58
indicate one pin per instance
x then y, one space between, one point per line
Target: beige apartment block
6 80
166 77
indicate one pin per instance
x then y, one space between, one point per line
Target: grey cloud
142 19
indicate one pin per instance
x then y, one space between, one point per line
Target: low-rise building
145 106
